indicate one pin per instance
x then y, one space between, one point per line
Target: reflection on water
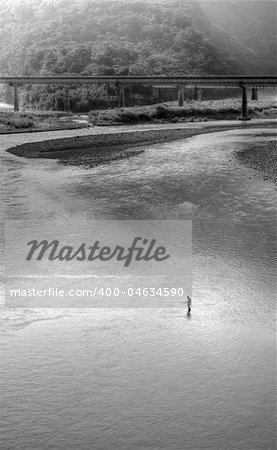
135 379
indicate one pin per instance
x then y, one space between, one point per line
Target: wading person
189 304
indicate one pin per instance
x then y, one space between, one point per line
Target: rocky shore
99 147
262 157
102 148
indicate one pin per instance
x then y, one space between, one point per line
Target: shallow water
151 379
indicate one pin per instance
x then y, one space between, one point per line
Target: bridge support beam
121 96
181 96
244 115
156 92
15 97
254 93
66 100
197 93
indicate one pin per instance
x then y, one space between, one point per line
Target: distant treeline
93 37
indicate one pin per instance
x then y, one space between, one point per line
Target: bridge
179 82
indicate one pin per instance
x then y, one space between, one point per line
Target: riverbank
163 113
98 145
101 145
262 157
207 110
22 122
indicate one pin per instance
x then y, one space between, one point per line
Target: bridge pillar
156 92
121 96
254 93
181 96
15 97
197 93
244 104
66 100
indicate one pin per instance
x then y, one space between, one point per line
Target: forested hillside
94 37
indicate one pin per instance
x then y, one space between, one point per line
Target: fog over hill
246 31
93 37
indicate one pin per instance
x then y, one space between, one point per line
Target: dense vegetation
11 122
104 37
190 112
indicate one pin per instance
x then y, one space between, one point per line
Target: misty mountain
124 37
246 32
106 37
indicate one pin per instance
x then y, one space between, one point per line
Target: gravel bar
262 157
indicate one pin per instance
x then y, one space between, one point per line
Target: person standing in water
189 304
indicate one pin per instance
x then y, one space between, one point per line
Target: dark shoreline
101 148
261 157
92 144
95 149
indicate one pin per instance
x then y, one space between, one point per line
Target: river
148 379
